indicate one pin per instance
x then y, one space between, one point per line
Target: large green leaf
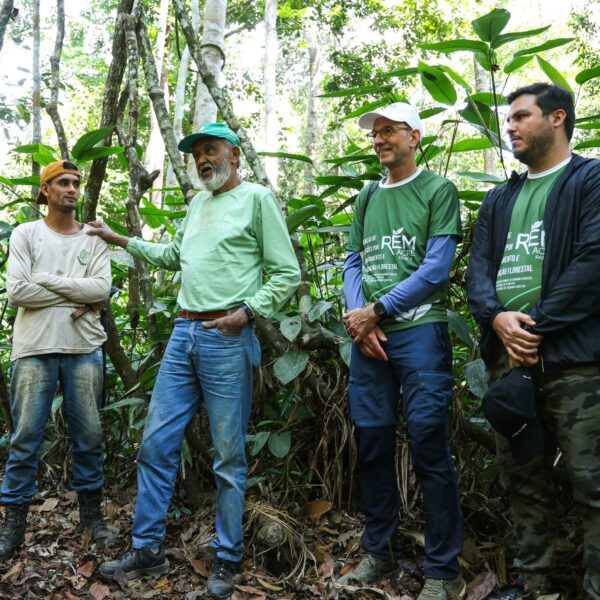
431 112
5 230
6 181
300 157
480 114
593 117
89 140
487 98
489 26
125 403
291 327
318 309
554 75
459 45
280 443
408 72
32 180
483 177
437 84
593 125
101 152
39 148
154 211
288 366
545 46
516 63
505 38
459 326
258 441
471 144
587 74
300 216
472 195
346 352
595 143
42 159
454 75
365 108
359 91
476 377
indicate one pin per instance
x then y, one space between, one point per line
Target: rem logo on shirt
399 244
533 242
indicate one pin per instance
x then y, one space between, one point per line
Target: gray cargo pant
569 410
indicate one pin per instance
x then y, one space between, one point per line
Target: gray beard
220 177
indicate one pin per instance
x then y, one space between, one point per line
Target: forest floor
313 545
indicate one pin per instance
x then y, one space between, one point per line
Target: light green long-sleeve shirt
222 247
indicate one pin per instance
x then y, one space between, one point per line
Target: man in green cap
232 233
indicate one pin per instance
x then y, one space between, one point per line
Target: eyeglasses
385 133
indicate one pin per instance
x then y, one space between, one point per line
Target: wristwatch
248 312
379 310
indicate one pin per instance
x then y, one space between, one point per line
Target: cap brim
366 121
185 145
529 444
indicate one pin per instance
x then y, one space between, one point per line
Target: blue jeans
419 371
33 385
199 365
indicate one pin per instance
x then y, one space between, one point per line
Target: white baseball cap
399 111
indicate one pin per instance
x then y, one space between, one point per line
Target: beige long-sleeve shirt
48 276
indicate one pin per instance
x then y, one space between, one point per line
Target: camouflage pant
570 414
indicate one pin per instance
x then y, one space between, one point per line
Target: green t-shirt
222 248
519 279
399 220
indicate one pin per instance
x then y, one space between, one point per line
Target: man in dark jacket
533 285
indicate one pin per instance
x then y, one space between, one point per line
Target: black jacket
568 313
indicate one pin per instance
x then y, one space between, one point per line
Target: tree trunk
52 106
155 151
5 14
481 85
213 53
36 117
158 103
110 105
312 122
271 121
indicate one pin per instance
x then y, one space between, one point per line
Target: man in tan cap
55 272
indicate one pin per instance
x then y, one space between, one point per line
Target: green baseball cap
218 130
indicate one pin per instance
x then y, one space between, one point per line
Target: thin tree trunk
36 94
52 106
109 110
155 151
213 53
5 14
481 85
162 114
139 179
312 123
271 120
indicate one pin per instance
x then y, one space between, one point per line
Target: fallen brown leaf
316 509
269 586
482 586
98 591
199 567
12 574
49 505
86 569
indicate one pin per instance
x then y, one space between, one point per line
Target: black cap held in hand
509 406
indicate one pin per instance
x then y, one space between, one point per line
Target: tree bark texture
312 121
36 116
5 14
162 114
109 110
213 53
481 85
52 105
140 180
155 151
270 90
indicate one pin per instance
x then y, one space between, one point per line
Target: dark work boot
221 578
137 563
12 533
90 517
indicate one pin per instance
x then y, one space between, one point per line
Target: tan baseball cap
54 169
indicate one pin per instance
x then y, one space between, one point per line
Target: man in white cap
400 252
